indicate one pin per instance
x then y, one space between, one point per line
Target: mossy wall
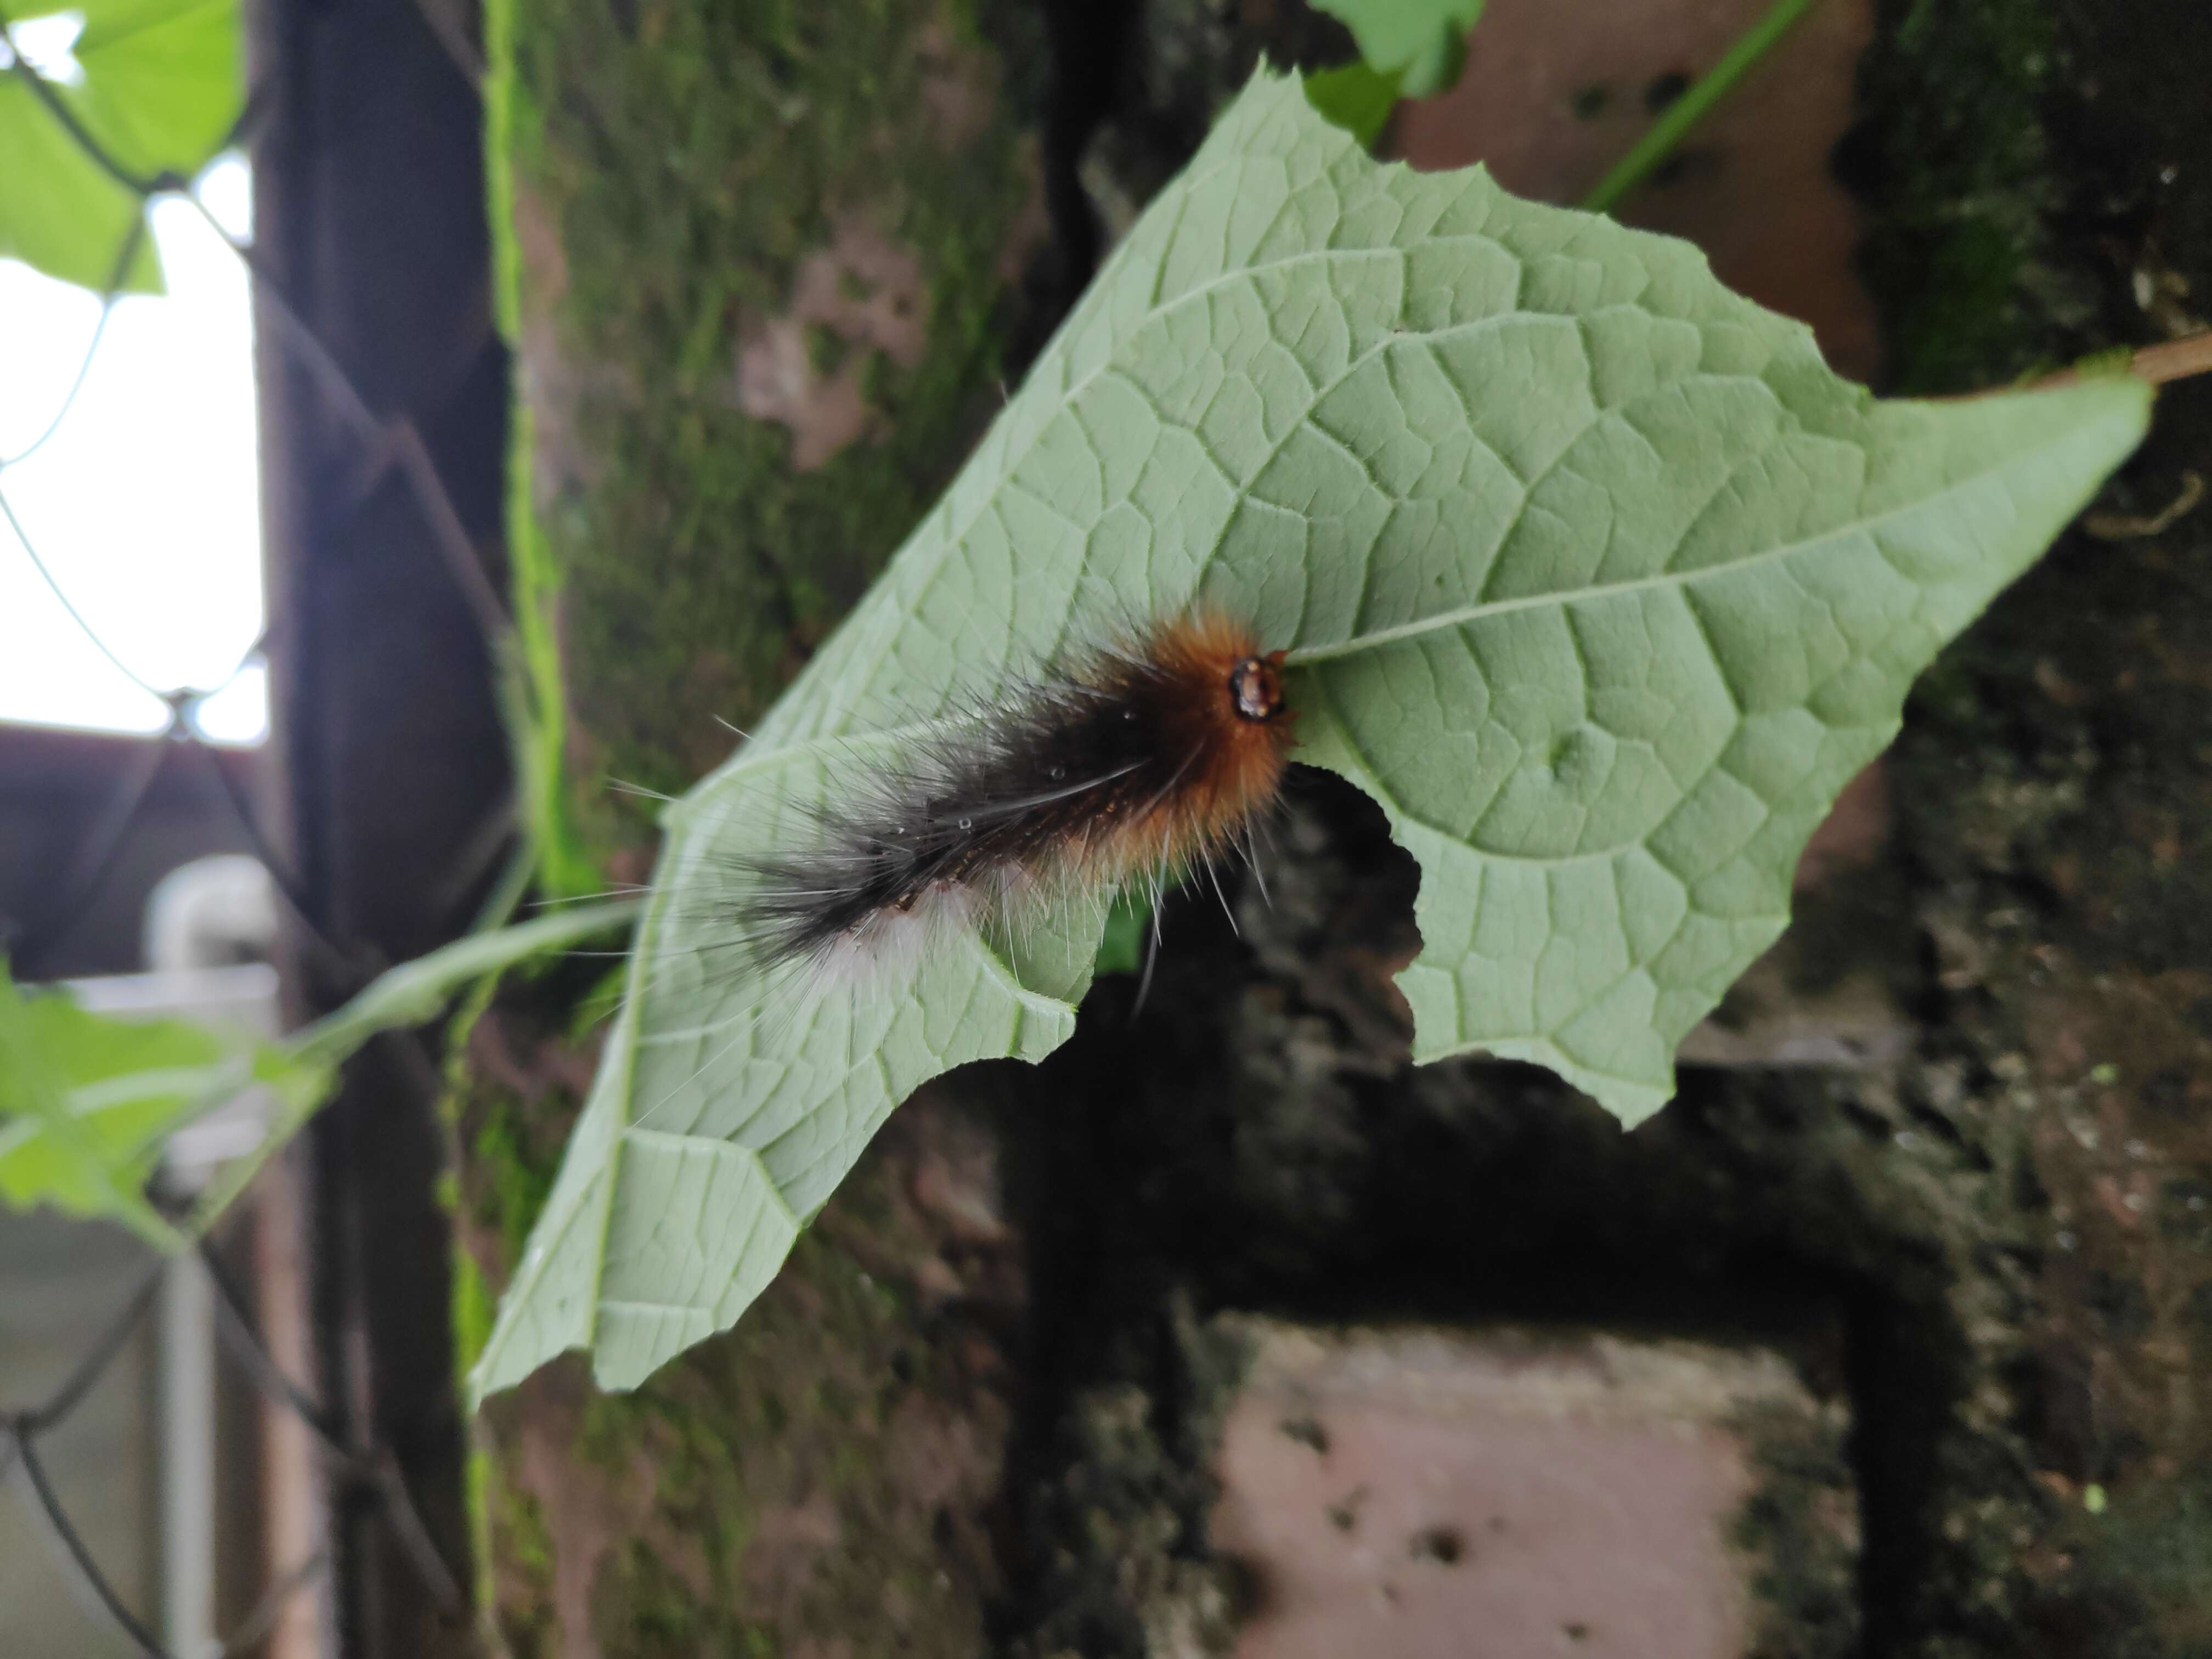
763 266
823 1480
759 262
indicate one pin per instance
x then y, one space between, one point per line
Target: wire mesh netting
355 1472
361 1473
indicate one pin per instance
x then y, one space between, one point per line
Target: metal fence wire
357 1472
360 1473
383 444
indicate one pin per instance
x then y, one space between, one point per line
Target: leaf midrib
1308 656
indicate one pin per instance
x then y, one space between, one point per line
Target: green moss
531 667
826 349
514 1183
1123 1564
528 1544
1965 260
474 1306
761 1494
642 1606
517 1577
1799 1524
671 564
535 696
2142 1566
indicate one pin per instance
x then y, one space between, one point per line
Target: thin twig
2161 364
1686 112
2140 526
2173 360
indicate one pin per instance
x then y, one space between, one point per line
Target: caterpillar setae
1127 762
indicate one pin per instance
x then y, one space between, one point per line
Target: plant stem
2173 360
2161 365
1686 112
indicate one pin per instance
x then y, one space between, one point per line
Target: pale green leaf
1122 944
163 82
87 1102
59 212
1419 43
1589 571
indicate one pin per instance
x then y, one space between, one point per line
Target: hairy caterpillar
1131 760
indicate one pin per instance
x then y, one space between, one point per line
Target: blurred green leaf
1358 98
59 212
160 88
1122 946
88 1101
1419 43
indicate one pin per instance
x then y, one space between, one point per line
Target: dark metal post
391 770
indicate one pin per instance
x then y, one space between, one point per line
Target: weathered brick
1417 1491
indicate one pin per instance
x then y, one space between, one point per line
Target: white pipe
185 1315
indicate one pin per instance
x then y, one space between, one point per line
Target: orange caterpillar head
1214 704
1255 688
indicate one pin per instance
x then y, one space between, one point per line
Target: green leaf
1358 98
59 212
1419 43
1589 570
163 80
86 1103
161 89
1122 942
